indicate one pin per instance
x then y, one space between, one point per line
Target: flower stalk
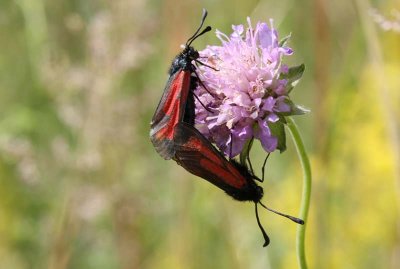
306 193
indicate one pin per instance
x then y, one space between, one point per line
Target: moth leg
263 167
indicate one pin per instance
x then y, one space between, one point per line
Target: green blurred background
82 187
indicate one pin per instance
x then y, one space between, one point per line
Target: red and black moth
198 156
179 89
174 136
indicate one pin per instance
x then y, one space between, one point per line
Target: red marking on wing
197 155
169 113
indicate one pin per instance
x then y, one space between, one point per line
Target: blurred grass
82 187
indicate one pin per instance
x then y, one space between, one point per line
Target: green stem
305 197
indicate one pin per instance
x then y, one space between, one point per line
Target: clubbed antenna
294 219
266 238
196 35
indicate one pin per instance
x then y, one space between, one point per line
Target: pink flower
247 91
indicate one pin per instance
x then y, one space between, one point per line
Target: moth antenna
207 29
294 219
195 35
266 238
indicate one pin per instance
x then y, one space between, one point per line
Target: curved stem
305 197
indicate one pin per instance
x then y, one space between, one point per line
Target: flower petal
248 84
268 142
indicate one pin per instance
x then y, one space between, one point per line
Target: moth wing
198 156
169 112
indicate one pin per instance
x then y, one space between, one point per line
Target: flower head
246 91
